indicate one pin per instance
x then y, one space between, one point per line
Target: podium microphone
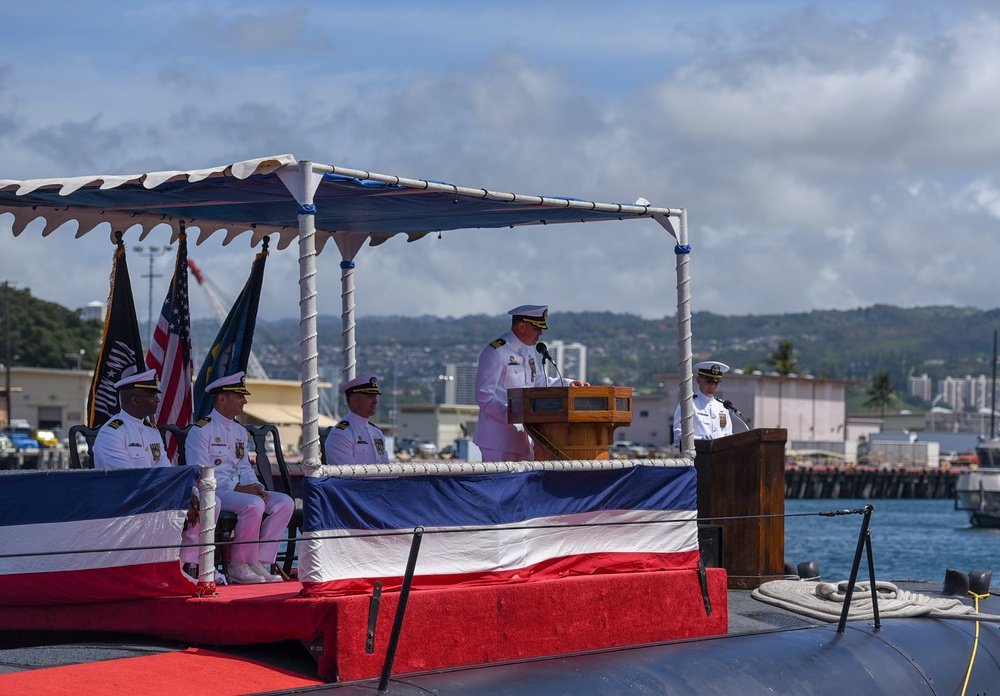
729 406
543 350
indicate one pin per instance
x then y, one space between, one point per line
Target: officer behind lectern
509 363
711 419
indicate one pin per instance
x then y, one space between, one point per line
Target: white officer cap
231 383
365 384
711 369
138 380
535 315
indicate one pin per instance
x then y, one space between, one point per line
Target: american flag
170 352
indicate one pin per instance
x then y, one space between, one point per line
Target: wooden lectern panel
743 476
571 422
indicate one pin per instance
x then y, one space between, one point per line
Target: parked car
21 437
419 447
46 438
624 449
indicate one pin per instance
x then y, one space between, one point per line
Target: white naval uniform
711 419
355 441
222 443
125 442
504 364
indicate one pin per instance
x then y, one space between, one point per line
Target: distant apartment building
979 392
921 387
570 358
460 384
955 392
960 393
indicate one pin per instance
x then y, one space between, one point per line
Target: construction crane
254 369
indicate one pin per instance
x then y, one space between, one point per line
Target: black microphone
729 406
543 350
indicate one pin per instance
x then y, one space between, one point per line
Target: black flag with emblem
121 345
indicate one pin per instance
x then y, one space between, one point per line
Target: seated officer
131 440
711 419
220 441
354 440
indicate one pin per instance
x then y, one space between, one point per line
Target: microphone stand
543 350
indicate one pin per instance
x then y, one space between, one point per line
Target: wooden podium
743 475
571 422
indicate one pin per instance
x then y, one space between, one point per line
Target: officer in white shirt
511 362
711 419
220 441
354 440
130 440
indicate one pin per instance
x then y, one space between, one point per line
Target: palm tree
784 361
880 392
783 358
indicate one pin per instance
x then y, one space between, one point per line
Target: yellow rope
975 644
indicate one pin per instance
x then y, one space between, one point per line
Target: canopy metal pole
684 348
686 395
347 320
302 183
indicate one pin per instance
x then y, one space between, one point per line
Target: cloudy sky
831 155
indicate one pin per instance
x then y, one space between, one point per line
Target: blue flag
230 352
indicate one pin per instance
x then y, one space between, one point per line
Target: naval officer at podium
711 419
511 362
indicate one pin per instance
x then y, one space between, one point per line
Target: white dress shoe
243 574
260 570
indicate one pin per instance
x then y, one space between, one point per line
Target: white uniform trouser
189 554
250 510
492 455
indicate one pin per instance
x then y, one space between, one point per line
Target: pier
868 482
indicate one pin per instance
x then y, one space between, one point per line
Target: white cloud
827 159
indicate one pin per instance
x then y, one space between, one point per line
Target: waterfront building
812 410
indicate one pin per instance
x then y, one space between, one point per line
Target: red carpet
443 627
191 671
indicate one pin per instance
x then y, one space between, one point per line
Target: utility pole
993 390
151 252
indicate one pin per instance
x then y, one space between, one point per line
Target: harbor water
912 539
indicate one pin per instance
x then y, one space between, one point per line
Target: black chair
178 433
89 434
262 463
225 528
323 433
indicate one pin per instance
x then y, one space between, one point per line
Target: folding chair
323 433
89 434
262 463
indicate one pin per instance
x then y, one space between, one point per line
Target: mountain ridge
626 349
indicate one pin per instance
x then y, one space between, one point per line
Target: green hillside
851 345
626 349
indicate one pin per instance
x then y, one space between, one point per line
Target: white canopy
310 203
